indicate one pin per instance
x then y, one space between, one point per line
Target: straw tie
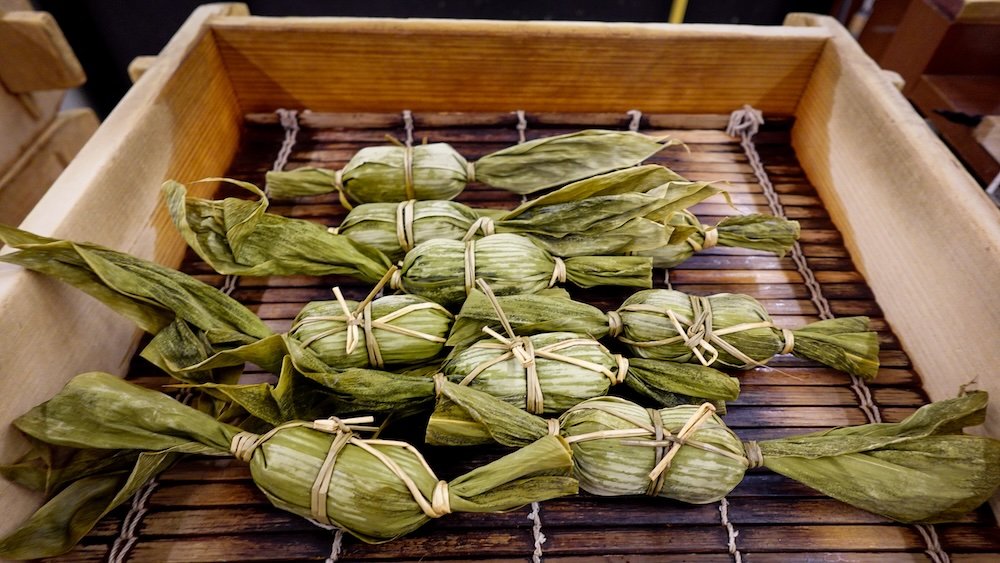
523 350
789 338
408 171
470 172
470 265
558 271
755 458
656 485
711 236
404 224
615 325
483 224
553 424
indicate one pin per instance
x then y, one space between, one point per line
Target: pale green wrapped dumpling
389 331
437 171
922 469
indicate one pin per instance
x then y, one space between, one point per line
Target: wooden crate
919 230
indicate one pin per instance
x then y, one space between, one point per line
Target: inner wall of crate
207 509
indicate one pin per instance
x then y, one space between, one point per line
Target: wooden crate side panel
182 121
351 64
921 230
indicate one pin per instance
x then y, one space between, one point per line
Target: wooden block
36 55
988 135
139 66
27 180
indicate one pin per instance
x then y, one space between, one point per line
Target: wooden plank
156 132
931 256
31 175
36 55
357 64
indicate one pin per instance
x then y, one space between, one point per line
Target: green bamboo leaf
237 237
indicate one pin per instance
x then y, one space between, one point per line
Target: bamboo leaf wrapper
922 469
726 329
755 231
438 171
616 213
440 270
375 489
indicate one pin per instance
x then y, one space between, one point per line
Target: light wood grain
355 64
27 180
35 54
180 121
917 225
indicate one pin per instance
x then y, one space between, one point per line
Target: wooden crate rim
254 24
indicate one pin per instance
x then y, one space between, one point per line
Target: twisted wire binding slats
745 123
522 126
408 127
536 532
338 542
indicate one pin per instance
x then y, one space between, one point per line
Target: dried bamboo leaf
237 237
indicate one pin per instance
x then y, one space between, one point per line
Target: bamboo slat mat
209 510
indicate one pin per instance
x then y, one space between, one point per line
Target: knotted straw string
558 272
711 236
483 224
244 444
523 350
470 172
404 224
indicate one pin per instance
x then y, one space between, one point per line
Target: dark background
107 34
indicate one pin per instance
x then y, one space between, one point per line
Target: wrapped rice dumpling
735 331
550 372
440 270
757 232
377 490
390 330
616 213
437 171
922 469
727 329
